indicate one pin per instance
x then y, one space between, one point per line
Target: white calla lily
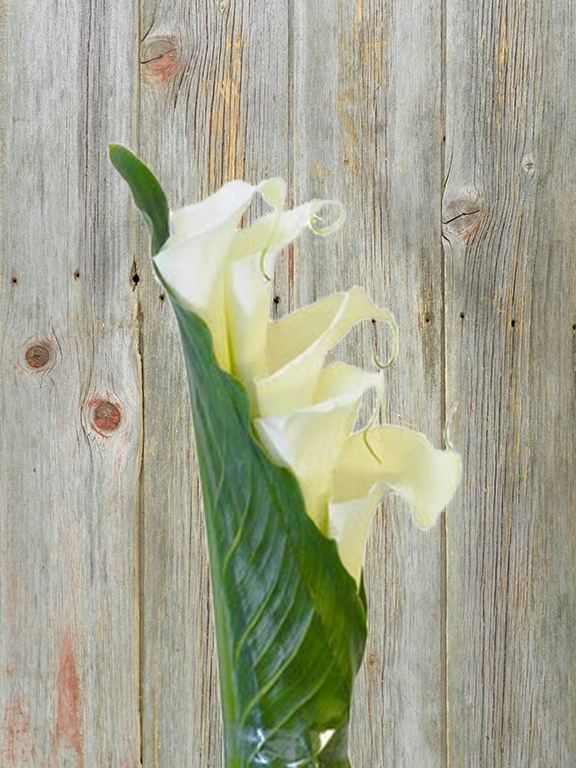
303 412
380 461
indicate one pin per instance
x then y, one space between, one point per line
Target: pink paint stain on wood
130 759
13 598
17 745
68 722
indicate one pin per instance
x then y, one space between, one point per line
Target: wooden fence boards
510 300
367 132
447 131
218 112
69 391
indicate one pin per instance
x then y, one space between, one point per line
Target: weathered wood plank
367 131
69 391
214 108
511 294
345 102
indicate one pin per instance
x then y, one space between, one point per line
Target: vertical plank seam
444 352
291 141
140 549
140 527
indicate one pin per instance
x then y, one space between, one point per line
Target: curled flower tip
333 227
447 441
273 230
372 422
392 360
369 447
265 275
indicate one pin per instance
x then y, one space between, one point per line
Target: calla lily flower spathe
303 411
288 487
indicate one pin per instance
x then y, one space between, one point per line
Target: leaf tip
113 150
117 153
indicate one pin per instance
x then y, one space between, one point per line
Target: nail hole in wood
162 296
462 315
14 280
76 274
134 277
513 323
276 299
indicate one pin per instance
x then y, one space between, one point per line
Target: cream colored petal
194 269
273 191
248 293
273 231
407 465
349 523
425 477
193 260
224 208
342 383
297 346
310 440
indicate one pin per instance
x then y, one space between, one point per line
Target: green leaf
290 621
148 195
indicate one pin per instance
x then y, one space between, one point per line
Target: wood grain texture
69 391
218 112
442 120
368 132
511 298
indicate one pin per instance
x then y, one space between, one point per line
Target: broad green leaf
290 622
148 195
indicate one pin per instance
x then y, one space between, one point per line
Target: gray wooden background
448 130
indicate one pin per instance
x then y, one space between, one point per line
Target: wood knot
372 663
529 165
462 215
160 59
38 355
105 416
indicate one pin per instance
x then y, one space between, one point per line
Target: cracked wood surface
447 132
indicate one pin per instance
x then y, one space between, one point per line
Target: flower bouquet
288 487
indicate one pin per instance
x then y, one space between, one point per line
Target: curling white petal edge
303 412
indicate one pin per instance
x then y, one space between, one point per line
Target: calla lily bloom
303 412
